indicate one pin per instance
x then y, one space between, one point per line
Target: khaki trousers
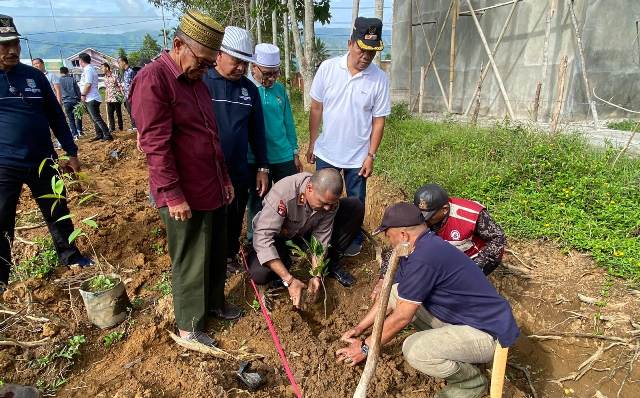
438 347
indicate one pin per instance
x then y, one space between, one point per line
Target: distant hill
46 46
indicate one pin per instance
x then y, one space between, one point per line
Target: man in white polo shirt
350 96
92 98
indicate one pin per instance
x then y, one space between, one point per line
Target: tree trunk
308 65
378 12
287 55
274 27
259 21
297 45
355 9
252 25
247 19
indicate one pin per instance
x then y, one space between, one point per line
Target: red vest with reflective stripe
459 230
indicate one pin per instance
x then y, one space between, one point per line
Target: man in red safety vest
464 223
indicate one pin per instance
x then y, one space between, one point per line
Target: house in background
97 59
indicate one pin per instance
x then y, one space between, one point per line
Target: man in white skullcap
236 103
280 129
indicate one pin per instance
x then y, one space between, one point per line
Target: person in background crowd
70 98
463 223
91 97
128 73
280 129
28 109
236 103
350 98
187 172
113 95
53 79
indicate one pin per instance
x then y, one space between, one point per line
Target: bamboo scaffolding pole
592 103
452 52
432 54
485 70
493 62
562 73
421 95
553 4
482 10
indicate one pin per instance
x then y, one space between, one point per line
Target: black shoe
107 138
228 312
233 266
96 138
342 275
201 338
3 288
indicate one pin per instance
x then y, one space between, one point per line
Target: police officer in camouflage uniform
301 206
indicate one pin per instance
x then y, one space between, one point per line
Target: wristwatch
372 155
263 169
287 284
364 348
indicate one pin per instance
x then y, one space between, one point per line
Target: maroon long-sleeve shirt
179 135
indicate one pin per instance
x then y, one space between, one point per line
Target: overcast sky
117 16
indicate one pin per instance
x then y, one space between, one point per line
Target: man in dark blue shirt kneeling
28 108
459 315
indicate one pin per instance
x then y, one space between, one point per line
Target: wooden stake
423 71
497 371
562 72
492 61
545 57
485 70
432 54
583 65
452 51
374 351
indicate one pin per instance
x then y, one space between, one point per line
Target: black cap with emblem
430 198
367 32
8 29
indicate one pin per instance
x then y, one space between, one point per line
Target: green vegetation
158 248
101 283
537 186
626 125
52 368
255 305
315 256
164 286
40 265
112 338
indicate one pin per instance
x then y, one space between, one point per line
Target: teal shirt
279 126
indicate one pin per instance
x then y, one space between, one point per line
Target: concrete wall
609 38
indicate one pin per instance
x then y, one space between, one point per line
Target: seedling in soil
112 338
40 265
156 232
315 256
57 363
255 305
79 110
164 286
137 302
101 283
158 248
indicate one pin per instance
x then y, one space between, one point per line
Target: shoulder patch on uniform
301 199
282 208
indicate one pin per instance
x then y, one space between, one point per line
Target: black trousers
74 124
235 218
346 226
102 131
114 107
11 181
127 105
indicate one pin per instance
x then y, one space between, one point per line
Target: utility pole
28 47
355 8
164 26
55 26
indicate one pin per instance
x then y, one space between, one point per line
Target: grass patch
625 125
535 185
40 265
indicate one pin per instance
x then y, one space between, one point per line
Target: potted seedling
104 295
79 110
315 256
105 299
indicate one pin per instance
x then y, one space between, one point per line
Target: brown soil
147 363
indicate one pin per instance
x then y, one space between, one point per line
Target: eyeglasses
269 75
202 63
